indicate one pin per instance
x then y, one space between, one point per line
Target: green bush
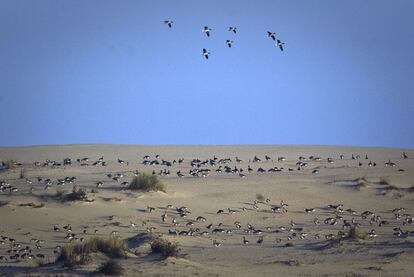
147 182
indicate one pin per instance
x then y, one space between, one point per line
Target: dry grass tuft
384 181
147 182
3 203
79 254
260 197
33 205
111 268
165 248
356 233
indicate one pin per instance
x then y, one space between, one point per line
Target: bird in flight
280 44
233 29
271 35
168 23
205 53
206 30
229 42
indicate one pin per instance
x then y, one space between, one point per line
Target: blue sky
111 72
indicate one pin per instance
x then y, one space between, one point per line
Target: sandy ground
312 250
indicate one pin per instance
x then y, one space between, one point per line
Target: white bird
206 30
205 53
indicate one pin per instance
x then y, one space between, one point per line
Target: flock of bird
334 220
205 53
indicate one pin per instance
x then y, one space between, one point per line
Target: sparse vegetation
3 203
111 268
356 233
165 248
9 164
390 187
384 181
78 254
76 195
22 173
147 182
260 197
33 205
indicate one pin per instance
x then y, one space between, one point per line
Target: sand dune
369 197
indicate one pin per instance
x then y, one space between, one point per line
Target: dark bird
271 35
206 30
229 42
168 23
280 44
205 53
233 29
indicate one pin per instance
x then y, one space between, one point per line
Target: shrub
78 254
111 268
165 248
260 197
356 233
147 182
22 173
76 195
384 181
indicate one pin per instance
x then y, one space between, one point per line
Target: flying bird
271 35
280 44
205 53
229 42
206 30
168 23
233 29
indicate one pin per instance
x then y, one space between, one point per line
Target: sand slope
312 252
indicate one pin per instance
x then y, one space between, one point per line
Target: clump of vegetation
59 194
111 268
76 195
147 182
165 248
79 254
9 164
384 181
356 233
22 173
3 203
32 205
390 188
260 197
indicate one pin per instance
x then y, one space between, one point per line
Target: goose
404 156
233 29
229 42
260 240
271 35
168 23
206 30
280 44
205 53
245 241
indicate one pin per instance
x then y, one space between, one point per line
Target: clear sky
110 71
